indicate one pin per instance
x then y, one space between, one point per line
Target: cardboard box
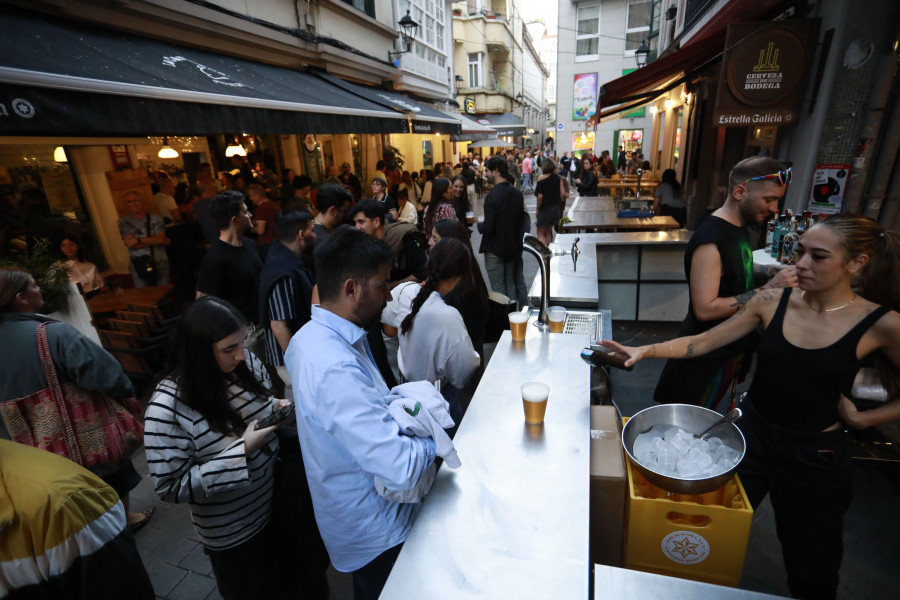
609 488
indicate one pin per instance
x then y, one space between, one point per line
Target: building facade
597 43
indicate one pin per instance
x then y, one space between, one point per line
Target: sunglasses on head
784 177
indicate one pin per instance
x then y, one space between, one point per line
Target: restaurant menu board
828 186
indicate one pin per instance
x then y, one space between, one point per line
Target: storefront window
427 155
39 199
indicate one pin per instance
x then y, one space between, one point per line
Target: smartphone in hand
276 417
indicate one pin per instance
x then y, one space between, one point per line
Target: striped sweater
62 532
230 494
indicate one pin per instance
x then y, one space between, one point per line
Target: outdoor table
113 301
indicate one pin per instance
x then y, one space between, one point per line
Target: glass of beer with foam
517 324
556 315
534 400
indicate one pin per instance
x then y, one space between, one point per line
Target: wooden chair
148 321
132 327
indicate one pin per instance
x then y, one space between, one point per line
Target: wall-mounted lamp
459 83
408 29
653 109
519 98
641 54
669 104
59 155
235 149
168 151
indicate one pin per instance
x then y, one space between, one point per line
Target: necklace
844 305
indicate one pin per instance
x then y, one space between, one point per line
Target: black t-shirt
549 190
232 273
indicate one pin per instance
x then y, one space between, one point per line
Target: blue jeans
502 274
526 182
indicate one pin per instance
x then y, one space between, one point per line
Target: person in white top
434 343
80 270
407 213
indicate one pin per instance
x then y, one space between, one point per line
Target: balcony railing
695 10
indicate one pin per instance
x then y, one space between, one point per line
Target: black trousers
369 580
809 479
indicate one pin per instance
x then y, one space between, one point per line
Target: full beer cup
470 217
556 315
517 324
534 400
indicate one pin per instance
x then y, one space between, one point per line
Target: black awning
85 80
424 118
505 124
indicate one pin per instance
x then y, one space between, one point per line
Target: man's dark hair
290 223
302 181
332 194
380 165
370 208
498 164
755 166
224 207
348 254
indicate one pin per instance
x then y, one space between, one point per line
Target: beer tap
536 247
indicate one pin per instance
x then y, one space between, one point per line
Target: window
367 6
430 37
476 70
587 37
637 27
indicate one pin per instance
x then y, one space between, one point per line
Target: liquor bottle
789 245
776 237
770 232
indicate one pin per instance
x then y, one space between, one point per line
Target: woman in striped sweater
203 448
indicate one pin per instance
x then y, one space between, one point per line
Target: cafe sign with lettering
764 72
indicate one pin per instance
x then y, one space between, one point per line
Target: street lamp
408 29
519 98
641 54
459 82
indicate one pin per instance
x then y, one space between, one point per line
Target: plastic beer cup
556 315
517 324
534 401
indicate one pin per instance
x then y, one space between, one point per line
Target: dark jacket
503 210
280 263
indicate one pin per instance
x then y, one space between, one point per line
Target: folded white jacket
420 411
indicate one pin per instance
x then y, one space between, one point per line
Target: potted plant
392 157
50 274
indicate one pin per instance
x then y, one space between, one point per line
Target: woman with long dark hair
440 206
203 448
80 269
462 202
667 198
440 346
796 427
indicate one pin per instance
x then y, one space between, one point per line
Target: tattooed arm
739 325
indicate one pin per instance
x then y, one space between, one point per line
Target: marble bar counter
638 276
512 521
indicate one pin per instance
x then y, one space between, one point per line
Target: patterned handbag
86 427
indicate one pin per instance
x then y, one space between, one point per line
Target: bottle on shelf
789 245
770 232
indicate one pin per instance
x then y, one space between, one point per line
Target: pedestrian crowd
320 319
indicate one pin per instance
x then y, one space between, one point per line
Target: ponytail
449 258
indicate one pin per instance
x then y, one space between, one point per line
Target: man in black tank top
718 264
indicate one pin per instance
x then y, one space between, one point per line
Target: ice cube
688 468
669 431
642 444
681 442
647 459
667 461
703 459
659 445
727 454
714 444
701 445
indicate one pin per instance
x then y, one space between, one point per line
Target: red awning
667 72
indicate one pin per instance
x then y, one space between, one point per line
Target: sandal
146 519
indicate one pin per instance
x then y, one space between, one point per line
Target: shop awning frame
504 124
60 77
643 85
472 131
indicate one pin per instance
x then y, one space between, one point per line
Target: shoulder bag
86 427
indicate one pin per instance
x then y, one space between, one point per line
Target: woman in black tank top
796 417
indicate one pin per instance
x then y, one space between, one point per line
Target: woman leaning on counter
795 423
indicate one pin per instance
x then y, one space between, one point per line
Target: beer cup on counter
556 315
517 324
534 401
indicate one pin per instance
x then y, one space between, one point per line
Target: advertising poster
583 142
828 185
584 102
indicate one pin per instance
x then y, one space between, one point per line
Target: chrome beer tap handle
575 252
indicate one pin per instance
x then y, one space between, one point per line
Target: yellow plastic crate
702 537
